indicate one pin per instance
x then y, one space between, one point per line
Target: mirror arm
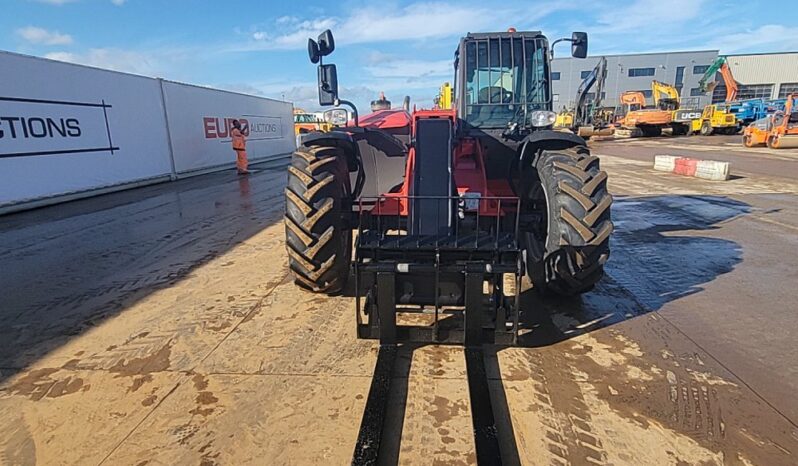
551 48
349 104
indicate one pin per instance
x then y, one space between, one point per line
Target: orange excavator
632 101
641 121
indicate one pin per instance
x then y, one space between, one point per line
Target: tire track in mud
553 402
606 380
643 375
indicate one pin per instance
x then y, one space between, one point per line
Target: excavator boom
666 97
731 84
583 115
720 64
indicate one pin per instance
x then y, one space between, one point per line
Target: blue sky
400 47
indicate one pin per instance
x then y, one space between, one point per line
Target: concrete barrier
665 163
685 166
712 170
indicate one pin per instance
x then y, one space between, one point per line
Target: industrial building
767 75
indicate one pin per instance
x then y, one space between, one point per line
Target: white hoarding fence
200 121
32 127
67 129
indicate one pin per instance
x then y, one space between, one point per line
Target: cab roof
495 35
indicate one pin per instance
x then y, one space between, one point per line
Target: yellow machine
565 119
716 118
443 100
306 122
666 97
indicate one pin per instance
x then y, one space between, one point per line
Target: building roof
644 53
758 53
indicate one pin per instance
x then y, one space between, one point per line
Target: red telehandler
448 205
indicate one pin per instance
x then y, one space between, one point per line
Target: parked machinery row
682 116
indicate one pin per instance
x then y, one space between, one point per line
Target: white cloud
286 20
770 37
385 24
61 56
114 59
659 14
55 2
411 69
297 38
242 88
37 35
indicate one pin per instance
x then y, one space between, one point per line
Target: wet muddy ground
159 326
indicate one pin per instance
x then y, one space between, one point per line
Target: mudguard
547 139
334 139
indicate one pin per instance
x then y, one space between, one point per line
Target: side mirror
326 43
328 85
313 51
579 44
337 116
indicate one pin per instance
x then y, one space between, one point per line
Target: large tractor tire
578 224
706 129
317 235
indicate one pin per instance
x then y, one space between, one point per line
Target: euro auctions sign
35 127
256 128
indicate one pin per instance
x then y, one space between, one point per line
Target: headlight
542 118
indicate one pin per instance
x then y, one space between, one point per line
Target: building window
696 92
679 76
786 89
638 72
755 91
585 74
555 75
700 69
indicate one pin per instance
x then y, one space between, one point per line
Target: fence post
173 175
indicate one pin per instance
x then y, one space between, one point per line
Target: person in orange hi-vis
240 146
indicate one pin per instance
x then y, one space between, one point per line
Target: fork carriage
445 267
